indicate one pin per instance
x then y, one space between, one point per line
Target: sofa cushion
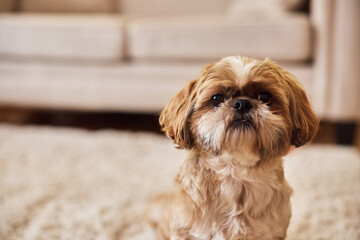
280 37
61 36
107 87
67 5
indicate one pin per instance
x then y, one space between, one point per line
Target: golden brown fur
232 185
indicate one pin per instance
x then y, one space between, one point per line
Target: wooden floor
87 120
123 121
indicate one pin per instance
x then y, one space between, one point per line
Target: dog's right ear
174 118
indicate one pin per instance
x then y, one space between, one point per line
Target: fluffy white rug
61 183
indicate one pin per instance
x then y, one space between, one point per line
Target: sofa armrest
336 58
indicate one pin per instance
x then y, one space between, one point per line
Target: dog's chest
227 209
233 203
233 207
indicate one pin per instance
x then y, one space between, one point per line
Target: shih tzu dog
237 121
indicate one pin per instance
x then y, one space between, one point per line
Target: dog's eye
217 99
265 97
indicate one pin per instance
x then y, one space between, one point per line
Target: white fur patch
211 128
240 68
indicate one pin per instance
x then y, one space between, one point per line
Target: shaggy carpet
63 183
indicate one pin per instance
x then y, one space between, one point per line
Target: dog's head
241 104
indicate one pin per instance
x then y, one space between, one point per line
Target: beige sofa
133 55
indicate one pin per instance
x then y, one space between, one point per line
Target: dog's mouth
242 123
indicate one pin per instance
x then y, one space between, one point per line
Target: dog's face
241 106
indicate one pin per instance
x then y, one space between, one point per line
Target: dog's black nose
242 106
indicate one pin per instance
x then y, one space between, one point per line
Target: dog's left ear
174 118
305 121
